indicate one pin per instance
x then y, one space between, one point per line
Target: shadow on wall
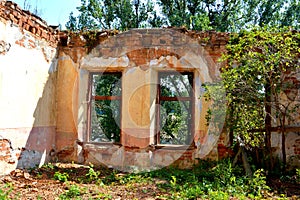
41 139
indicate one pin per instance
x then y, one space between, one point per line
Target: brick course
5 150
10 11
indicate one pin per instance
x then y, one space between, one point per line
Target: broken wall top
91 39
25 20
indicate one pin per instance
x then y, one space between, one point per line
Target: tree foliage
227 15
260 73
221 15
111 14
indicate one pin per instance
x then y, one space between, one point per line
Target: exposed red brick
26 21
30 22
224 151
5 152
38 32
20 23
33 30
24 18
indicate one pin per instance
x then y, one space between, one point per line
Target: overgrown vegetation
260 79
207 180
62 177
73 192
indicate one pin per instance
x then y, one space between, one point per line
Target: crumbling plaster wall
44 93
67 96
27 88
139 54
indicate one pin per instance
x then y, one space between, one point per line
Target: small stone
34 190
7 179
26 175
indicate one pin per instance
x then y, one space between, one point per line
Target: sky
54 12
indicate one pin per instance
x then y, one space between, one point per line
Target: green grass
73 192
5 190
208 180
211 180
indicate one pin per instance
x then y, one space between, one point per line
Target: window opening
175 113
105 107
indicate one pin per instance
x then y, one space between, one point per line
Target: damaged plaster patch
105 62
53 66
8 156
31 159
13 33
49 53
7 152
159 63
4 47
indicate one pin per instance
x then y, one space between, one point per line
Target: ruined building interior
116 99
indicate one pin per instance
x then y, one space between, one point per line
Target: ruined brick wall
136 51
44 84
27 88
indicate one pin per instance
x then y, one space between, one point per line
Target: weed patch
72 192
208 180
62 177
5 190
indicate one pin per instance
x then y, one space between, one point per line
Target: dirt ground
40 184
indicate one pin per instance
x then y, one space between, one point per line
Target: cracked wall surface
27 89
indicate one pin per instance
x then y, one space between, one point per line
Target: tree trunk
268 125
283 144
246 163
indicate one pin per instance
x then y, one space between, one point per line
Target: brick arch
138 47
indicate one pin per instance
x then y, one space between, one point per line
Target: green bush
92 175
258 184
211 180
62 177
5 190
74 191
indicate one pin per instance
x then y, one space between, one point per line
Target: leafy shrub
92 175
5 191
258 184
62 177
211 180
74 191
110 178
192 192
104 196
48 166
218 195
